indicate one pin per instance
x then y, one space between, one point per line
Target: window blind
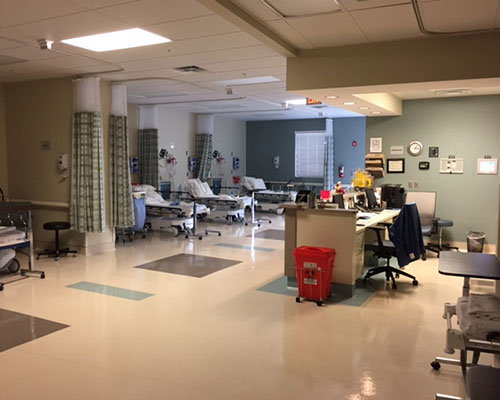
309 154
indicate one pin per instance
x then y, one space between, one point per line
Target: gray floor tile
276 234
17 328
189 265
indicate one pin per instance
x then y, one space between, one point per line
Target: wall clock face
415 148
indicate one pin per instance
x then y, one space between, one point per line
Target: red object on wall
314 266
236 179
354 143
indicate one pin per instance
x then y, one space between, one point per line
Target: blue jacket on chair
406 234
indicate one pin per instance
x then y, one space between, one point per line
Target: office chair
406 244
426 203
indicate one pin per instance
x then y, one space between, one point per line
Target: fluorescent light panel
249 81
118 40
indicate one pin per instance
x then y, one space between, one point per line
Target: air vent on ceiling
189 69
8 60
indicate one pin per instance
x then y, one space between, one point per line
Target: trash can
475 242
314 266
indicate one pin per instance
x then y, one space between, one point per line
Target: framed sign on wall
376 145
395 165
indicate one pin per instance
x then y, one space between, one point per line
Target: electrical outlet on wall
416 185
410 185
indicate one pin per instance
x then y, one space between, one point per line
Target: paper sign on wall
376 145
397 150
451 166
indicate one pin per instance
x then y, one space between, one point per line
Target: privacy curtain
204 155
122 207
87 212
148 146
329 173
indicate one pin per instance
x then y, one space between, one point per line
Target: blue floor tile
110 291
245 247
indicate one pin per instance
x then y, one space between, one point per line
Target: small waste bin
475 242
314 266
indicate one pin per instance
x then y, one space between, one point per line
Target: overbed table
469 265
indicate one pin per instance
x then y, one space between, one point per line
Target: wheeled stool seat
57 252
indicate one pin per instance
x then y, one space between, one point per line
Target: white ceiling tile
290 35
220 42
264 62
243 53
7 44
169 62
351 5
298 8
91 4
29 53
60 62
15 12
459 15
70 26
149 12
257 9
171 49
386 23
329 30
193 27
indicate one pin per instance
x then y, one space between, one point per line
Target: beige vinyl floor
217 337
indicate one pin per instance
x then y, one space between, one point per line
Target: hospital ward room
245 208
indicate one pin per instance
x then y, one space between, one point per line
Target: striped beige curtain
204 155
122 207
87 182
148 157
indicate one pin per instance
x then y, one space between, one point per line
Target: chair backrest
426 204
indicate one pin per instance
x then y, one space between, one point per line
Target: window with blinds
309 154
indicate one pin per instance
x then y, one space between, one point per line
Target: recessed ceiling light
376 112
349 103
125 39
296 102
331 97
363 108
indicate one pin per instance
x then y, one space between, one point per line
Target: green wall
467 127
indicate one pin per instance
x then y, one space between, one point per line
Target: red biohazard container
314 266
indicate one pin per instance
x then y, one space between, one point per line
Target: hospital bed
267 200
174 216
220 206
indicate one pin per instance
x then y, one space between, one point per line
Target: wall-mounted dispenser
236 163
63 165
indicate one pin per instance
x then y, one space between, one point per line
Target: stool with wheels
57 252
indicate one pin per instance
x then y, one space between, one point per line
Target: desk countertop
469 265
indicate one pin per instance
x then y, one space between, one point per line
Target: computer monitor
393 195
339 199
302 196
372 200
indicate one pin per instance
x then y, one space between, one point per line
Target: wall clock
415 148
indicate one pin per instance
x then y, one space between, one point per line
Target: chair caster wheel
297 299
219 234
319 303
397 276
200 238
435 365
246 223
258 225
187 237
415 282
1 288
424 257
394 286
42 276
270 222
